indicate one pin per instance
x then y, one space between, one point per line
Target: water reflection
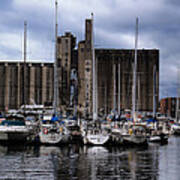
26 163
91 163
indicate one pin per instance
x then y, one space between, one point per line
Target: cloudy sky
159 28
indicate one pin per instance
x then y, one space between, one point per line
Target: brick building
168 106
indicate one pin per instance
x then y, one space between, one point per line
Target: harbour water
90 163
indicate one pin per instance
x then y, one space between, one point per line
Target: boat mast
94 73
139 93
25 49
178 95
105 95
96 87
134 73
119 88
55 61
177 108
154 92
114 84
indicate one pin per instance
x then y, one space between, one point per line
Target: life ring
45 131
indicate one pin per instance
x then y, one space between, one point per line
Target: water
72 162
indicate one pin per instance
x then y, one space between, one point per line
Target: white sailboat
135 135
51 130
94 135
53 134
158 133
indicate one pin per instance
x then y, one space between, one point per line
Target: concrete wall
38 84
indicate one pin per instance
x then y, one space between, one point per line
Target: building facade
33 87
107 63
114 77
66 63
169 107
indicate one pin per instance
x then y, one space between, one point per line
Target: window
59 40
59 62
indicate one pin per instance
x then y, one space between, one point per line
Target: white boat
157 131
95 137
136 135
92 133
134 139
53 134
51 130
175 128
13 128
162 138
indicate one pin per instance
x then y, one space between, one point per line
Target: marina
93 106
114 130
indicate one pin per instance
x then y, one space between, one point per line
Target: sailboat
13 127
93 133
158 134
51 130
135 134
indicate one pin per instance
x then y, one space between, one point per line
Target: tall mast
134 72
105 94
55 60
154 92
94 72
119 88
139 93
25 47
96 87
178 95
114 85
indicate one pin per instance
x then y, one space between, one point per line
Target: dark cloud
173 2
114 28
5 5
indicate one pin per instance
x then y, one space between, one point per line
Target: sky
114 27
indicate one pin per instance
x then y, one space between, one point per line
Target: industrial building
35 88
114 77
113 66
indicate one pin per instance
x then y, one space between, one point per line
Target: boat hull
134 140
97 139
14 133
53 138
159 138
